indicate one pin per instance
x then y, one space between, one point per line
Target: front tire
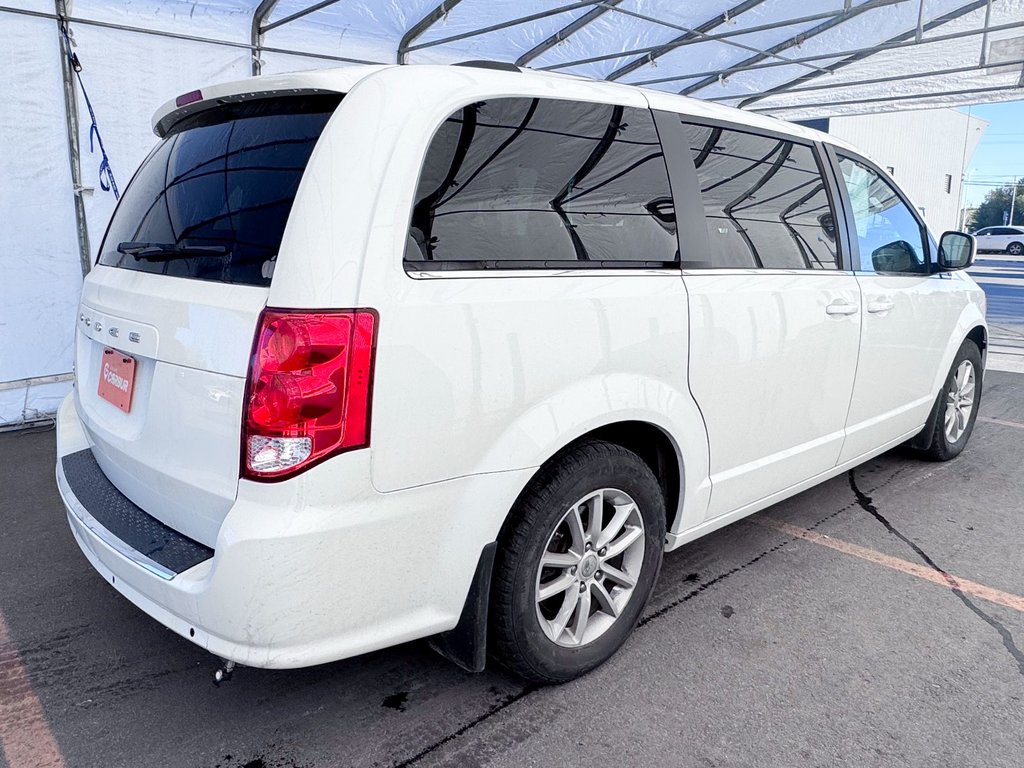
956 408
576 562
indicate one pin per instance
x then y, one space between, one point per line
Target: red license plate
117 379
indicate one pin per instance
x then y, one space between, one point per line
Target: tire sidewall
555 662
945 448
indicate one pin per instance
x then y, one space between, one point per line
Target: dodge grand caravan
387 353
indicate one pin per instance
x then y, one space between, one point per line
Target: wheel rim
960 401
1016 249
590 567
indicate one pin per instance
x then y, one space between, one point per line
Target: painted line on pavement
25 735
1005 599
1004 363
1001 422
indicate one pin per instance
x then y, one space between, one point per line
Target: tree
997 202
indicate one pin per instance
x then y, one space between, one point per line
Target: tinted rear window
224 180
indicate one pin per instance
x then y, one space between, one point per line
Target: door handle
841 307
880 305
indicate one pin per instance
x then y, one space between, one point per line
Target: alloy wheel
959 401
590 567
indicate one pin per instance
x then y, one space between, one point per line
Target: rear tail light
309 387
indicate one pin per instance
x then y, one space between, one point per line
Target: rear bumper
310 570
119 523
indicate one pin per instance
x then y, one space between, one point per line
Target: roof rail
487 64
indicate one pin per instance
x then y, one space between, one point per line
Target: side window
890 237
526 183
765 202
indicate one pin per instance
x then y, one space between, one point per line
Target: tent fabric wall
128 74
38 243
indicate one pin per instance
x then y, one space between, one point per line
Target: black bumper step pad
125 520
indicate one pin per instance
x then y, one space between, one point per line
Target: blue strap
106 173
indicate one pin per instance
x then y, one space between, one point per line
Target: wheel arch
651 442
658 451
645 414
970 325
979 335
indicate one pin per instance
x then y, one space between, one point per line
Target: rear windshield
211 201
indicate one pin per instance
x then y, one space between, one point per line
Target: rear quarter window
765 201
527 183
212 199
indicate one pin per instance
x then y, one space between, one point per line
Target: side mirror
956 251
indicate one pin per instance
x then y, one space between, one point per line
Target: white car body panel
480 377
756 335
179 463
908 321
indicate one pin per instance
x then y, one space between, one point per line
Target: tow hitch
224 673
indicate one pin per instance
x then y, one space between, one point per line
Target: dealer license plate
117 378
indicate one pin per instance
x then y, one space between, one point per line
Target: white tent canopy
790 58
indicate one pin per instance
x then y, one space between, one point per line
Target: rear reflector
309 388
188 98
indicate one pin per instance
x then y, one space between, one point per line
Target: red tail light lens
308 394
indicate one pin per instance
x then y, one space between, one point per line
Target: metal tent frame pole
693 35
877 48
825 26
74 149
700 37
853 83
570 29
299 14
182 36
823 105
916 33
263 10
405 47
260 26
437 13
703 33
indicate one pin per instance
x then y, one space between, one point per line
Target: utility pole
1013 200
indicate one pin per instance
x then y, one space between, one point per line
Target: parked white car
1006 239
387 353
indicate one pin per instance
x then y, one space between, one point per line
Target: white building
926 151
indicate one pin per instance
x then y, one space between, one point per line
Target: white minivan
457 352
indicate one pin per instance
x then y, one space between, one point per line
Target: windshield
212 200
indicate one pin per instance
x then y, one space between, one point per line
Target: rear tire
589 533
956 407
1015 249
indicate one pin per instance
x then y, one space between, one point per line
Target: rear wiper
168 251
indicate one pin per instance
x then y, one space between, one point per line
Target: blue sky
1000 154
